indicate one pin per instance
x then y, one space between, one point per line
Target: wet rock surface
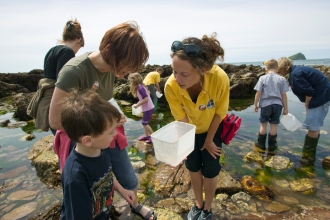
170 181
302 185
256 189
45 161
278 162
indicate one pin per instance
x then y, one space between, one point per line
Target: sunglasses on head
191 50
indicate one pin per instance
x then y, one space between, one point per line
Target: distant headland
298 56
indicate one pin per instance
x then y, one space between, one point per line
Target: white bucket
290 122
158 94
137 111
174 142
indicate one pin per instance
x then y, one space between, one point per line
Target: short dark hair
160 69
124 45
86 113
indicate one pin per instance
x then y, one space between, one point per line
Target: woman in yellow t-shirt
198 93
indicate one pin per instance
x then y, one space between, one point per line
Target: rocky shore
242 81
243 198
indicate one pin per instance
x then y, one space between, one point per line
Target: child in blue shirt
87 178
271 96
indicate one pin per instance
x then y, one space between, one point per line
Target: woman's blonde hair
72 31
135 80
124 45
284 63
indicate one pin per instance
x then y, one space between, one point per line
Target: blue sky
247 30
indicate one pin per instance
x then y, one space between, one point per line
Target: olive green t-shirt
79 72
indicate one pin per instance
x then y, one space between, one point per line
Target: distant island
298 56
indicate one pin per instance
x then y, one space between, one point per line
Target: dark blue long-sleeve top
307 81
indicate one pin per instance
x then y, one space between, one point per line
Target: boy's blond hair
271 64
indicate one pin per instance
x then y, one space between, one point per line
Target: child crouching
87 178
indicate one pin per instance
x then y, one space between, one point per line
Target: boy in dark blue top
87 178
313 88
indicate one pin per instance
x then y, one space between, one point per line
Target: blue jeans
315 117
123 169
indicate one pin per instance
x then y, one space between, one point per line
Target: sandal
149 141
137 210
143 138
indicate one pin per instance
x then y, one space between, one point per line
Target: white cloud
248 30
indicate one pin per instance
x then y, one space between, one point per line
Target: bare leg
197 184
313 134
263 128
211 185
147 130
273 129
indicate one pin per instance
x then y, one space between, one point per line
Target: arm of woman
209 144
56 108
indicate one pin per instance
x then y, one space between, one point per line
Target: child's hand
285 112
128 195
135 106
255 108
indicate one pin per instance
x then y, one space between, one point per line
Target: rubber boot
310 144
309 150
261 142
155 101
272 143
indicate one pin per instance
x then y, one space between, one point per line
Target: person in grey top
271 95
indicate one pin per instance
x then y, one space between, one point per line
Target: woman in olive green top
122 50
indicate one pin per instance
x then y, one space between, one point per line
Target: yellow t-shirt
151 78
201 113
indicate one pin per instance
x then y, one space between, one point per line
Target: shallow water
16 168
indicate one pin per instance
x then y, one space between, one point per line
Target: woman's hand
213 150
